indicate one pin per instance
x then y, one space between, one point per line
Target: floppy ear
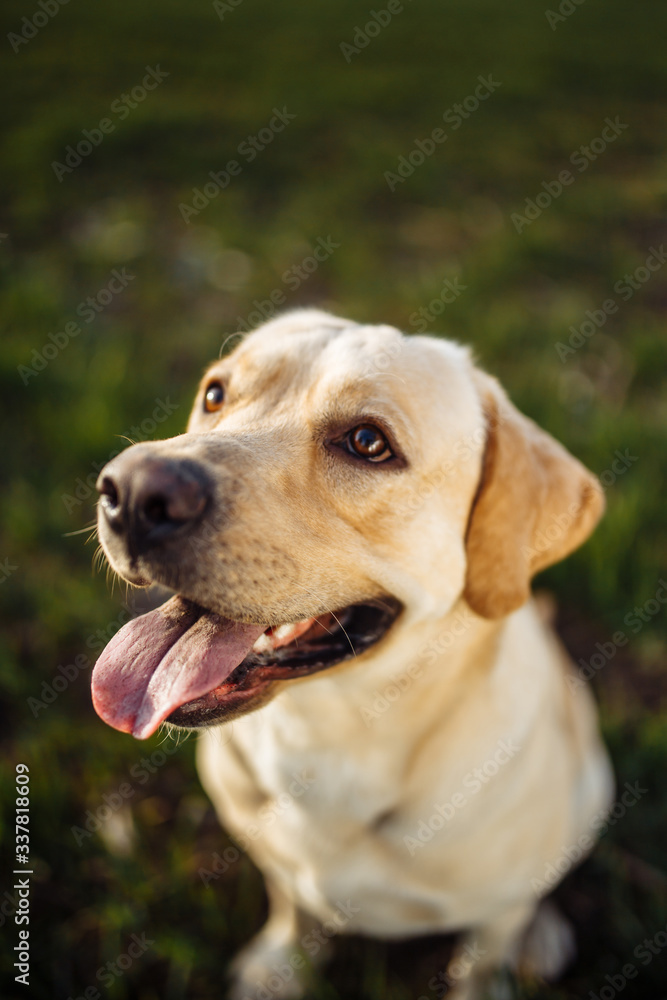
534 505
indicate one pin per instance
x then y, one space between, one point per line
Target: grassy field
562 306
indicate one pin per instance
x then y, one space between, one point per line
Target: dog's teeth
284 630
263 644
282 635
275 636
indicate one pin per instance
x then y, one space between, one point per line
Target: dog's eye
214 398
368 442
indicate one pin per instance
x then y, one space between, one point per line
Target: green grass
322 176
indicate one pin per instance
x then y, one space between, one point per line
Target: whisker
180 736
81 531
383 604
328 611
354 652
98 558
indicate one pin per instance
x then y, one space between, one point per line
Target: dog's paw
265 971
548 945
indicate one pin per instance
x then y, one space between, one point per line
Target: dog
349 528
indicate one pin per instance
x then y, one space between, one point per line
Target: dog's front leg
274 963
473 972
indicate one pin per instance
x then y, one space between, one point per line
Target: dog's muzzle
186 663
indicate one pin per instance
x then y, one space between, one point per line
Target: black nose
149 498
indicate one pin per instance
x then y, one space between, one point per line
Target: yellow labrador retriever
350 526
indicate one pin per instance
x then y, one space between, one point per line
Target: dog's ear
534 505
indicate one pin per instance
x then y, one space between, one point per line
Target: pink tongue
164 659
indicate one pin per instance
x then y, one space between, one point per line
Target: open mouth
188 666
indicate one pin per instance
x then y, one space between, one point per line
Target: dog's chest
323 823
318 784
329 825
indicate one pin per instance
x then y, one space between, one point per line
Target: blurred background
124 266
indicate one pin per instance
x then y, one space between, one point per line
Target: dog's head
334 478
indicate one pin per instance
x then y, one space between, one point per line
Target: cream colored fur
469 679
